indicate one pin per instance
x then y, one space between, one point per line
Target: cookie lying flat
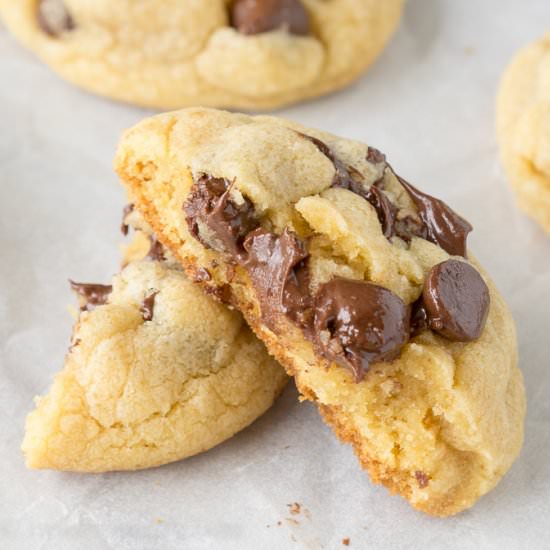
232 53
523 128
355 280
156 372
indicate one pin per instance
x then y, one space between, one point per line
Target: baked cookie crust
176 53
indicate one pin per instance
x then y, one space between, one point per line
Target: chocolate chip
258 16
358 323
444 226
457 301
53 17
215 219
147 308
157 252
128 209
91 294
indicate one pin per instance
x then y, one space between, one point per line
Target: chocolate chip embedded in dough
457 301
148 306
53 17
91 295
358 323
258 16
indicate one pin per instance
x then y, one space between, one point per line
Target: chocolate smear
258 16
215 219
444 226
92 294
53 17
358 323
277 266
147 308
457 301
128 209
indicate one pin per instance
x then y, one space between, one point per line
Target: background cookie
523 128
159 373
175 53
278 212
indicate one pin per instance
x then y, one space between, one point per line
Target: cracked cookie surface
298 225
156 372
523 128
175 53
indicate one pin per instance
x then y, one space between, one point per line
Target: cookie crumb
294 508
469 50
346 541
158 521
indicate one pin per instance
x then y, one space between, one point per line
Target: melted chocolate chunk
92 294
157 252
444 226
349 178
277 266
215 219
375 156
358 323
258 16
148 306
457 301
128 209
419 318
53 17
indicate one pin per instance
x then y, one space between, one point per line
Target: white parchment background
429 104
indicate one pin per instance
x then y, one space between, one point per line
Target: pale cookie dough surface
523 127
440 424
135 393
176 53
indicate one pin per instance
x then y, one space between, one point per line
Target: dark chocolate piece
258 16
148 306
444 226
277 266
225 223
125 212
358 323
457 301
157 252
93 294
53 17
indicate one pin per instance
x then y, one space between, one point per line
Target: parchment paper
429 104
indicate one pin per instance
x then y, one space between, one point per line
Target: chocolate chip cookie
253 54
358 282
523 128
156 372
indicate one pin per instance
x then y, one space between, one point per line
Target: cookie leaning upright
156 372
523 128
253 54
355 280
